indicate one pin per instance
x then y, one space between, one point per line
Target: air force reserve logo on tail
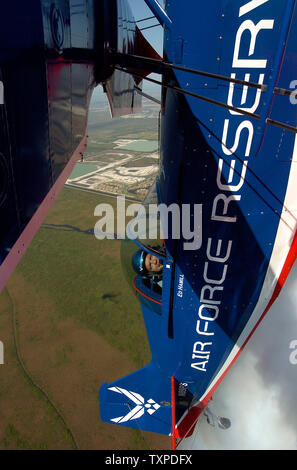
140 406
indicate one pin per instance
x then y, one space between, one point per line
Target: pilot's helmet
138 262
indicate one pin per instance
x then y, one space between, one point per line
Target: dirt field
70 302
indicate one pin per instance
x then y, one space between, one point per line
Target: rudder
141 400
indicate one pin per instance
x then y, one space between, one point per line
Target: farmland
78 324
69 320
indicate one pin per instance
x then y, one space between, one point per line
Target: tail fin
143 400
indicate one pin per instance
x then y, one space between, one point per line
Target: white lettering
248 25
1 353
244 125
245 91
1 92
228 187
163 210
121 209
214 281
211 291
226 200
251 6
106 221
293 95
201 348
218 251
199 356
204 332
137 226
242 98
208 308
200 365
196 234
180 285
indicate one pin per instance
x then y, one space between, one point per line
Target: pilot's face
153 263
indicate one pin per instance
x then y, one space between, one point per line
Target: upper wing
52 55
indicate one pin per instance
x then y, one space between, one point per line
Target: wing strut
132 60
272 122
149 27
159 13
282 125
145 95
185 92
146 19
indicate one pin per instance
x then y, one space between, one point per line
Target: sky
154 35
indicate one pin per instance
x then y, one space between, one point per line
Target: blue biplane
227 145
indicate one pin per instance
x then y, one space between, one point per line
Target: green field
107 132
78 324
79 271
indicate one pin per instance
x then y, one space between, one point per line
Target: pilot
146 263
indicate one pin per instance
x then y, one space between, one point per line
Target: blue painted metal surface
44 114
243 173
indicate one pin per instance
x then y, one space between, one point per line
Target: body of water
82 169
142 146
